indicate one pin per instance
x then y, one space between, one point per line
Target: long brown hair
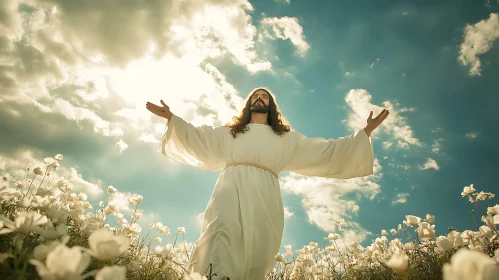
275 119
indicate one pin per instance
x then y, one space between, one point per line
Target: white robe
243 223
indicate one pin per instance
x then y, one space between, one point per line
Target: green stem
474 219
29 188
485 216
23 272
44 176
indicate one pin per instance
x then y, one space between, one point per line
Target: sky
75 77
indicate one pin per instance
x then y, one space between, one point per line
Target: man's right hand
163 111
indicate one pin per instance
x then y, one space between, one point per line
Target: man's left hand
372 124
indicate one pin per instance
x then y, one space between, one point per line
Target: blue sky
76 77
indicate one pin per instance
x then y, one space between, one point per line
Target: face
260 102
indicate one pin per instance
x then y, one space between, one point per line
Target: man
243 223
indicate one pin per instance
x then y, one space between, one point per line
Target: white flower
279 258
38 171
468 190
159 240
41 251
135 200
384 232
468 236
51 232
444 243
398 262
396 245
425 230
430 218
409 246
58 157
495 220
92 224
48 160
181 230
62 263
493 210
132 228
481 196
137 215
455 238
164 251
485 231
470 265
82 196
162 229
112 208
105 245
24 222
333 236
393 231
25 202
114 272
57 215
411 220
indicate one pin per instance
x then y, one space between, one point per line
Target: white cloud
287 213
286 28
403 166
83 114
149 138
122 145
220 29
80 185
148 218
430 163
478 39
471 136
437 145
374 63
387 145
324 202
359 101
86 72
401 198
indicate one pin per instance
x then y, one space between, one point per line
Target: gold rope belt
252 164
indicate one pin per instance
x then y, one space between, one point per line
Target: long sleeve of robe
195 146
343 158
243 222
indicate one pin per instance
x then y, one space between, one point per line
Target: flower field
49 232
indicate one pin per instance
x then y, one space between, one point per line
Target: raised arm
346 157
196 146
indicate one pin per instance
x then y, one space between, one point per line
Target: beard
259 107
